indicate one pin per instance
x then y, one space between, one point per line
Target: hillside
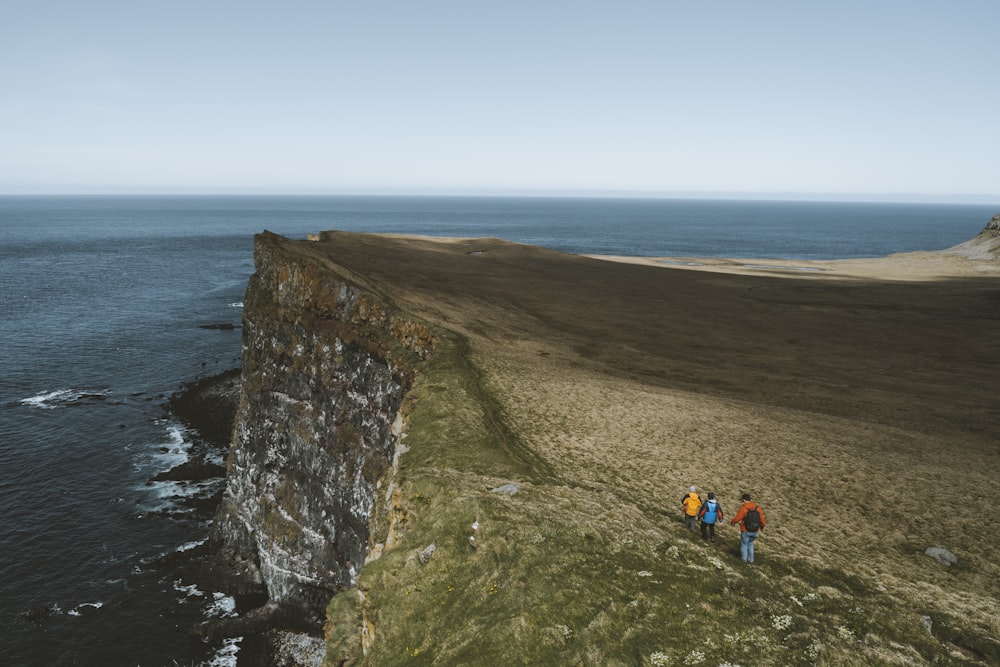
483 446
860 413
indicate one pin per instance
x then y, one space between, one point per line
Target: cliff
326 367
554 409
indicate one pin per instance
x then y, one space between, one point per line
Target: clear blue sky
859 98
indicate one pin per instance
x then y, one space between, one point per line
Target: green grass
563 574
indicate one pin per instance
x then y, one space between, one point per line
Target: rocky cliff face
993 226
985 245
326 366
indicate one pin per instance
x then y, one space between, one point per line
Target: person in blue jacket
710 513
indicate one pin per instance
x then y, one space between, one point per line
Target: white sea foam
238 304
187 546
216 457
174 451
163 456
172 490
48 400
83 607
222 606
226 656
63 397
166 496
191 591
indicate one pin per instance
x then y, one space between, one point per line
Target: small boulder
507 489
942 556
425 554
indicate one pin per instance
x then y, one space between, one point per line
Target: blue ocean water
101 305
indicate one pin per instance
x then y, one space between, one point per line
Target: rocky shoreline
208 406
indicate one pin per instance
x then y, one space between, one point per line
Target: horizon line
844 197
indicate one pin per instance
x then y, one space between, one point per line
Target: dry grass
861 416
863 498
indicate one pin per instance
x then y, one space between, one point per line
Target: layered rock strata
326 366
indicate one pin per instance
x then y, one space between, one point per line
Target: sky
871 99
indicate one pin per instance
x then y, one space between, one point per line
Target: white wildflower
659 659
781 622
814 649
694 658
844 633
716 562
809 597
645 573
566 631
673 552
797 601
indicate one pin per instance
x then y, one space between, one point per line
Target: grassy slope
605 425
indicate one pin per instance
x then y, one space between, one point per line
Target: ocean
108 305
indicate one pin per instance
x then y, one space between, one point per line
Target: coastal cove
524 376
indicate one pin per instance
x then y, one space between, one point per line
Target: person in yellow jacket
691 503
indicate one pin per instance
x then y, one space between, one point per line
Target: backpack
751 521
711 511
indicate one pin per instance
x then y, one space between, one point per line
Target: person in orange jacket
751 520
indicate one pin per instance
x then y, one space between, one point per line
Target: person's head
711 496
746 497
692 489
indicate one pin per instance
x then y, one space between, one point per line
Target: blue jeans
746 546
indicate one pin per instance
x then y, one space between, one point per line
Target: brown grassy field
855 400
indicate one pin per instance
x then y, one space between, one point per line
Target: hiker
710 513
751 520
691 503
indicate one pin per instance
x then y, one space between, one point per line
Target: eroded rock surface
326 365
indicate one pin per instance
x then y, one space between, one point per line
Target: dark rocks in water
222 326
209 406
202 504
191 471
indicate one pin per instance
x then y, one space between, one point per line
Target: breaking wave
64 397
